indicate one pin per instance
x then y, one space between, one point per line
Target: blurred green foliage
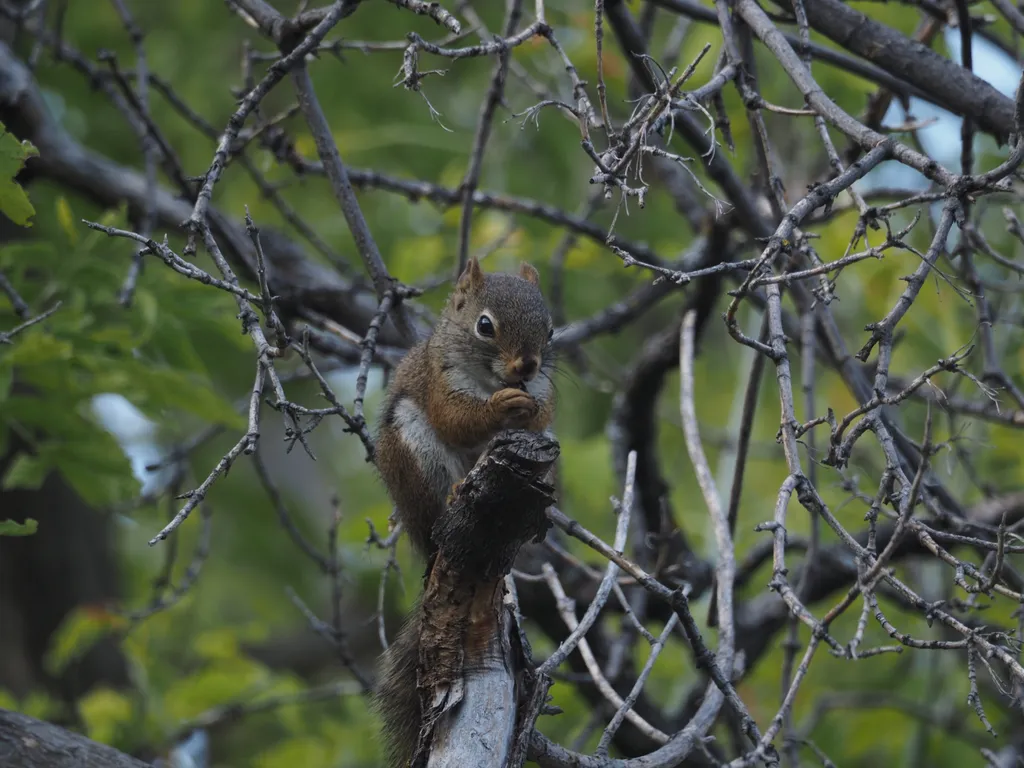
14 203
11 528
178 356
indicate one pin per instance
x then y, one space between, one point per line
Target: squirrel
484 368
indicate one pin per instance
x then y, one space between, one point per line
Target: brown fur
396 699
462 419
467 388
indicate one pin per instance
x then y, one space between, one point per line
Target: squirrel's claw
454 490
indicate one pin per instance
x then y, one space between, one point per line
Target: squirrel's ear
472 276
528 273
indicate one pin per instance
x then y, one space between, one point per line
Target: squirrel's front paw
514 406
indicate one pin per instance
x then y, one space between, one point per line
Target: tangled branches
861 421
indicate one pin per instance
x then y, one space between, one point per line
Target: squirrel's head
504 321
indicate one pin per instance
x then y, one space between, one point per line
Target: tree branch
29 743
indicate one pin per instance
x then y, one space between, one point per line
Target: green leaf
11 528
38 348
79 632
14 203
105 713
6 380
217 644
307 750
233 679
26 472
99 481
67 221
17 257
174 389
36 704
147 306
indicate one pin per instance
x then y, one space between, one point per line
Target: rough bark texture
456 647
961 91
29 743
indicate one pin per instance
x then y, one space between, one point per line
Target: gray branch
29 743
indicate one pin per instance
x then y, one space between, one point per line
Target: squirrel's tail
396 699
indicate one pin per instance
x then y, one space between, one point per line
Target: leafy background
109 389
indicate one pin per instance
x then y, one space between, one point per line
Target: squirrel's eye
484 326
551 333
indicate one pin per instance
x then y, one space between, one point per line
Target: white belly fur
440 464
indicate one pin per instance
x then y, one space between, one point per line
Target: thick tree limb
903 66
692 9
464 631
458 653
959 90
29 743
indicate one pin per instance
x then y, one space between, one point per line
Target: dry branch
296 279
478 692
470 671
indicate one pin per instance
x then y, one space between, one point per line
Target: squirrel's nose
526 367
